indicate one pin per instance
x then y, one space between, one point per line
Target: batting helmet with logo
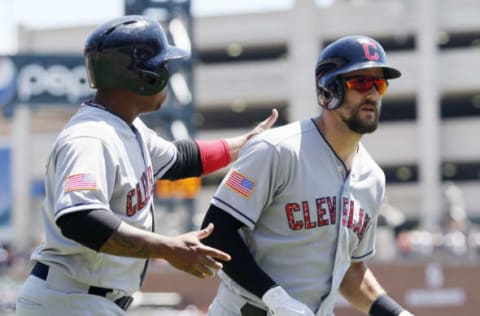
347 54
130 52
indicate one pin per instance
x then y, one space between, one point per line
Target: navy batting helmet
347 54
130 52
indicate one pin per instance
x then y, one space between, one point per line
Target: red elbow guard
215 154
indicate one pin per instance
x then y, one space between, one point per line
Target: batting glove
405 313
281 304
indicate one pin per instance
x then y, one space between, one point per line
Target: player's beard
360 125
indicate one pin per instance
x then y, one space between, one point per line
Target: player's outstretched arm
196 158
185 252
236 143
364 292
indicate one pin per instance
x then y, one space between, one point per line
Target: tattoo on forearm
119 244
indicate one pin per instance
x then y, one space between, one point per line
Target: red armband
215 154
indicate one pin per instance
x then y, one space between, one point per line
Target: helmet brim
170 53
391 73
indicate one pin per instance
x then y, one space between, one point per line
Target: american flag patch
240 184
81 181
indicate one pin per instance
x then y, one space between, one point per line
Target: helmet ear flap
153 81
332 96
330 89
338 92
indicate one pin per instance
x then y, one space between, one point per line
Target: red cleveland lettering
366 221
289 209
332 208
359 225
131 208
355 219
321 212
142 196
140 201
146 187
350 216
306 216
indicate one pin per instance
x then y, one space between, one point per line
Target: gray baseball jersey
306 218
100 162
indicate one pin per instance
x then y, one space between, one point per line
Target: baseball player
98 211
297 211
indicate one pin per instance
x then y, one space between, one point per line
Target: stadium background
244 64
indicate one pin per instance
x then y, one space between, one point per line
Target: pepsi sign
42 79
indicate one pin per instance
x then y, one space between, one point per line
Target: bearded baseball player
98 211
298 210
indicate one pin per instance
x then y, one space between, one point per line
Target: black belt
252 310
40 270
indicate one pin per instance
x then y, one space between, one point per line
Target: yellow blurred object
184 188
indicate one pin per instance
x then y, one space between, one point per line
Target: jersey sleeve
83 176
366 247
250 184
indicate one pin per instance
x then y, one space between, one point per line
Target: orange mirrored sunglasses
364 84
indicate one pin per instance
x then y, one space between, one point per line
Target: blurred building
247 64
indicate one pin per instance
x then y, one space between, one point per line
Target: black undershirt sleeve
188 163
89 228
242 268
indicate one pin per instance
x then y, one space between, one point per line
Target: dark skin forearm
184 252
360 287
129 241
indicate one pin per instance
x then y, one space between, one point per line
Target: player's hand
264 125
186 252
281 304
236 143
406 313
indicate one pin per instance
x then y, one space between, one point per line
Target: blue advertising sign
42 79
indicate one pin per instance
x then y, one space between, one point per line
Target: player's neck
117 104
343 141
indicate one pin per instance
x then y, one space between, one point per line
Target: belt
252 310
40 270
